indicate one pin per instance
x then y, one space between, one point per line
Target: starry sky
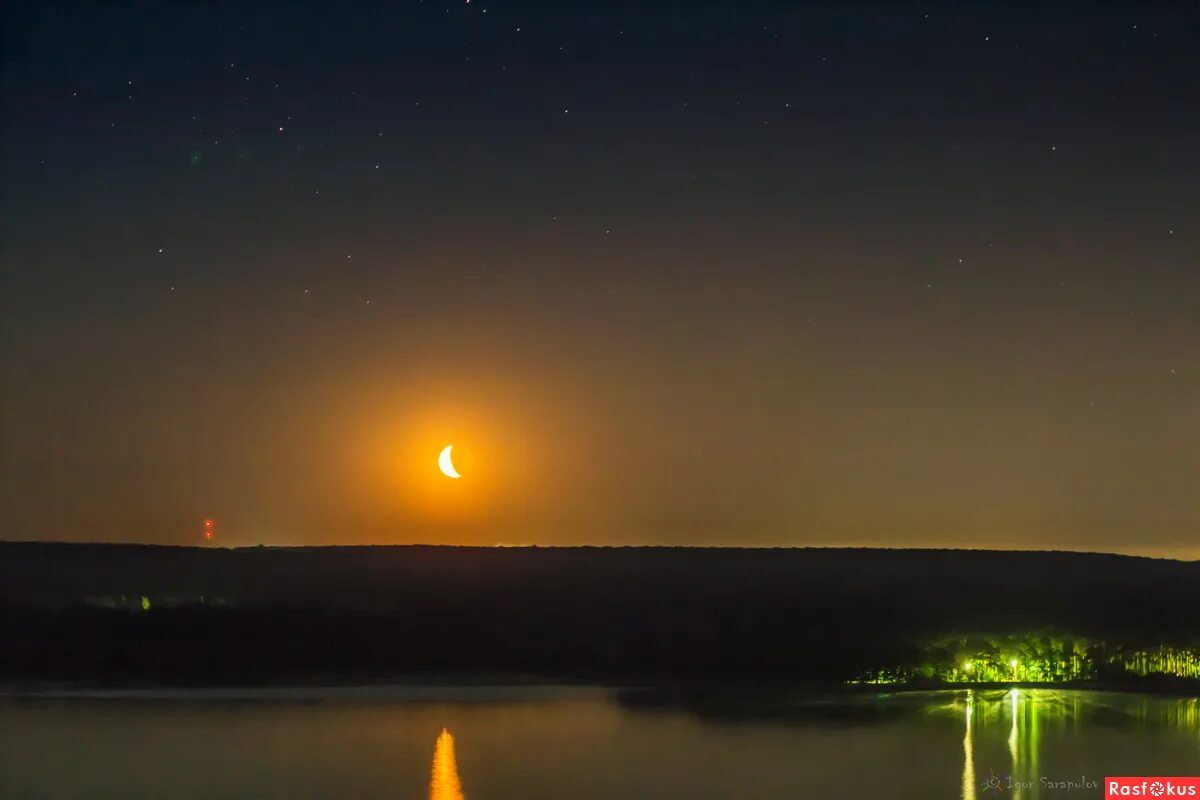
681 273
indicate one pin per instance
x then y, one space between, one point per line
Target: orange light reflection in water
444 784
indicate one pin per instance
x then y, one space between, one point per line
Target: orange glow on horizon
396 480
444 784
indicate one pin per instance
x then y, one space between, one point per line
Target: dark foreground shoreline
718 702
128 615
404 686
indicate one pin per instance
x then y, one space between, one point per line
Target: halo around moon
446 463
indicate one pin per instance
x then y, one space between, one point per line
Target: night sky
679 273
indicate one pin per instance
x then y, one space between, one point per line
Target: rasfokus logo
1151 787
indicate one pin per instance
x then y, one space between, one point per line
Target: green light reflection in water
1016 721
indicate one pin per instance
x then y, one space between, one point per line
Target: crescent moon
446 464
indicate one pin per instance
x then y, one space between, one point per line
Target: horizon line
641 546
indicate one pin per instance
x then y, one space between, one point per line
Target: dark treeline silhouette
140 614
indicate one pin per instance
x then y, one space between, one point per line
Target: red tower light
208 529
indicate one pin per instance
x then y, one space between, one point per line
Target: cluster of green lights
1035 659
1183 663
135 602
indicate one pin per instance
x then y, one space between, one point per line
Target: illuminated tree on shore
1036 658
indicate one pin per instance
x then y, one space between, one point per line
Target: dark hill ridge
76 610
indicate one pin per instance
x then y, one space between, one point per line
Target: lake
494 743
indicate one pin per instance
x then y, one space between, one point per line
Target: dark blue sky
714 273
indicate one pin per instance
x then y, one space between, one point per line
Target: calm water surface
530 743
